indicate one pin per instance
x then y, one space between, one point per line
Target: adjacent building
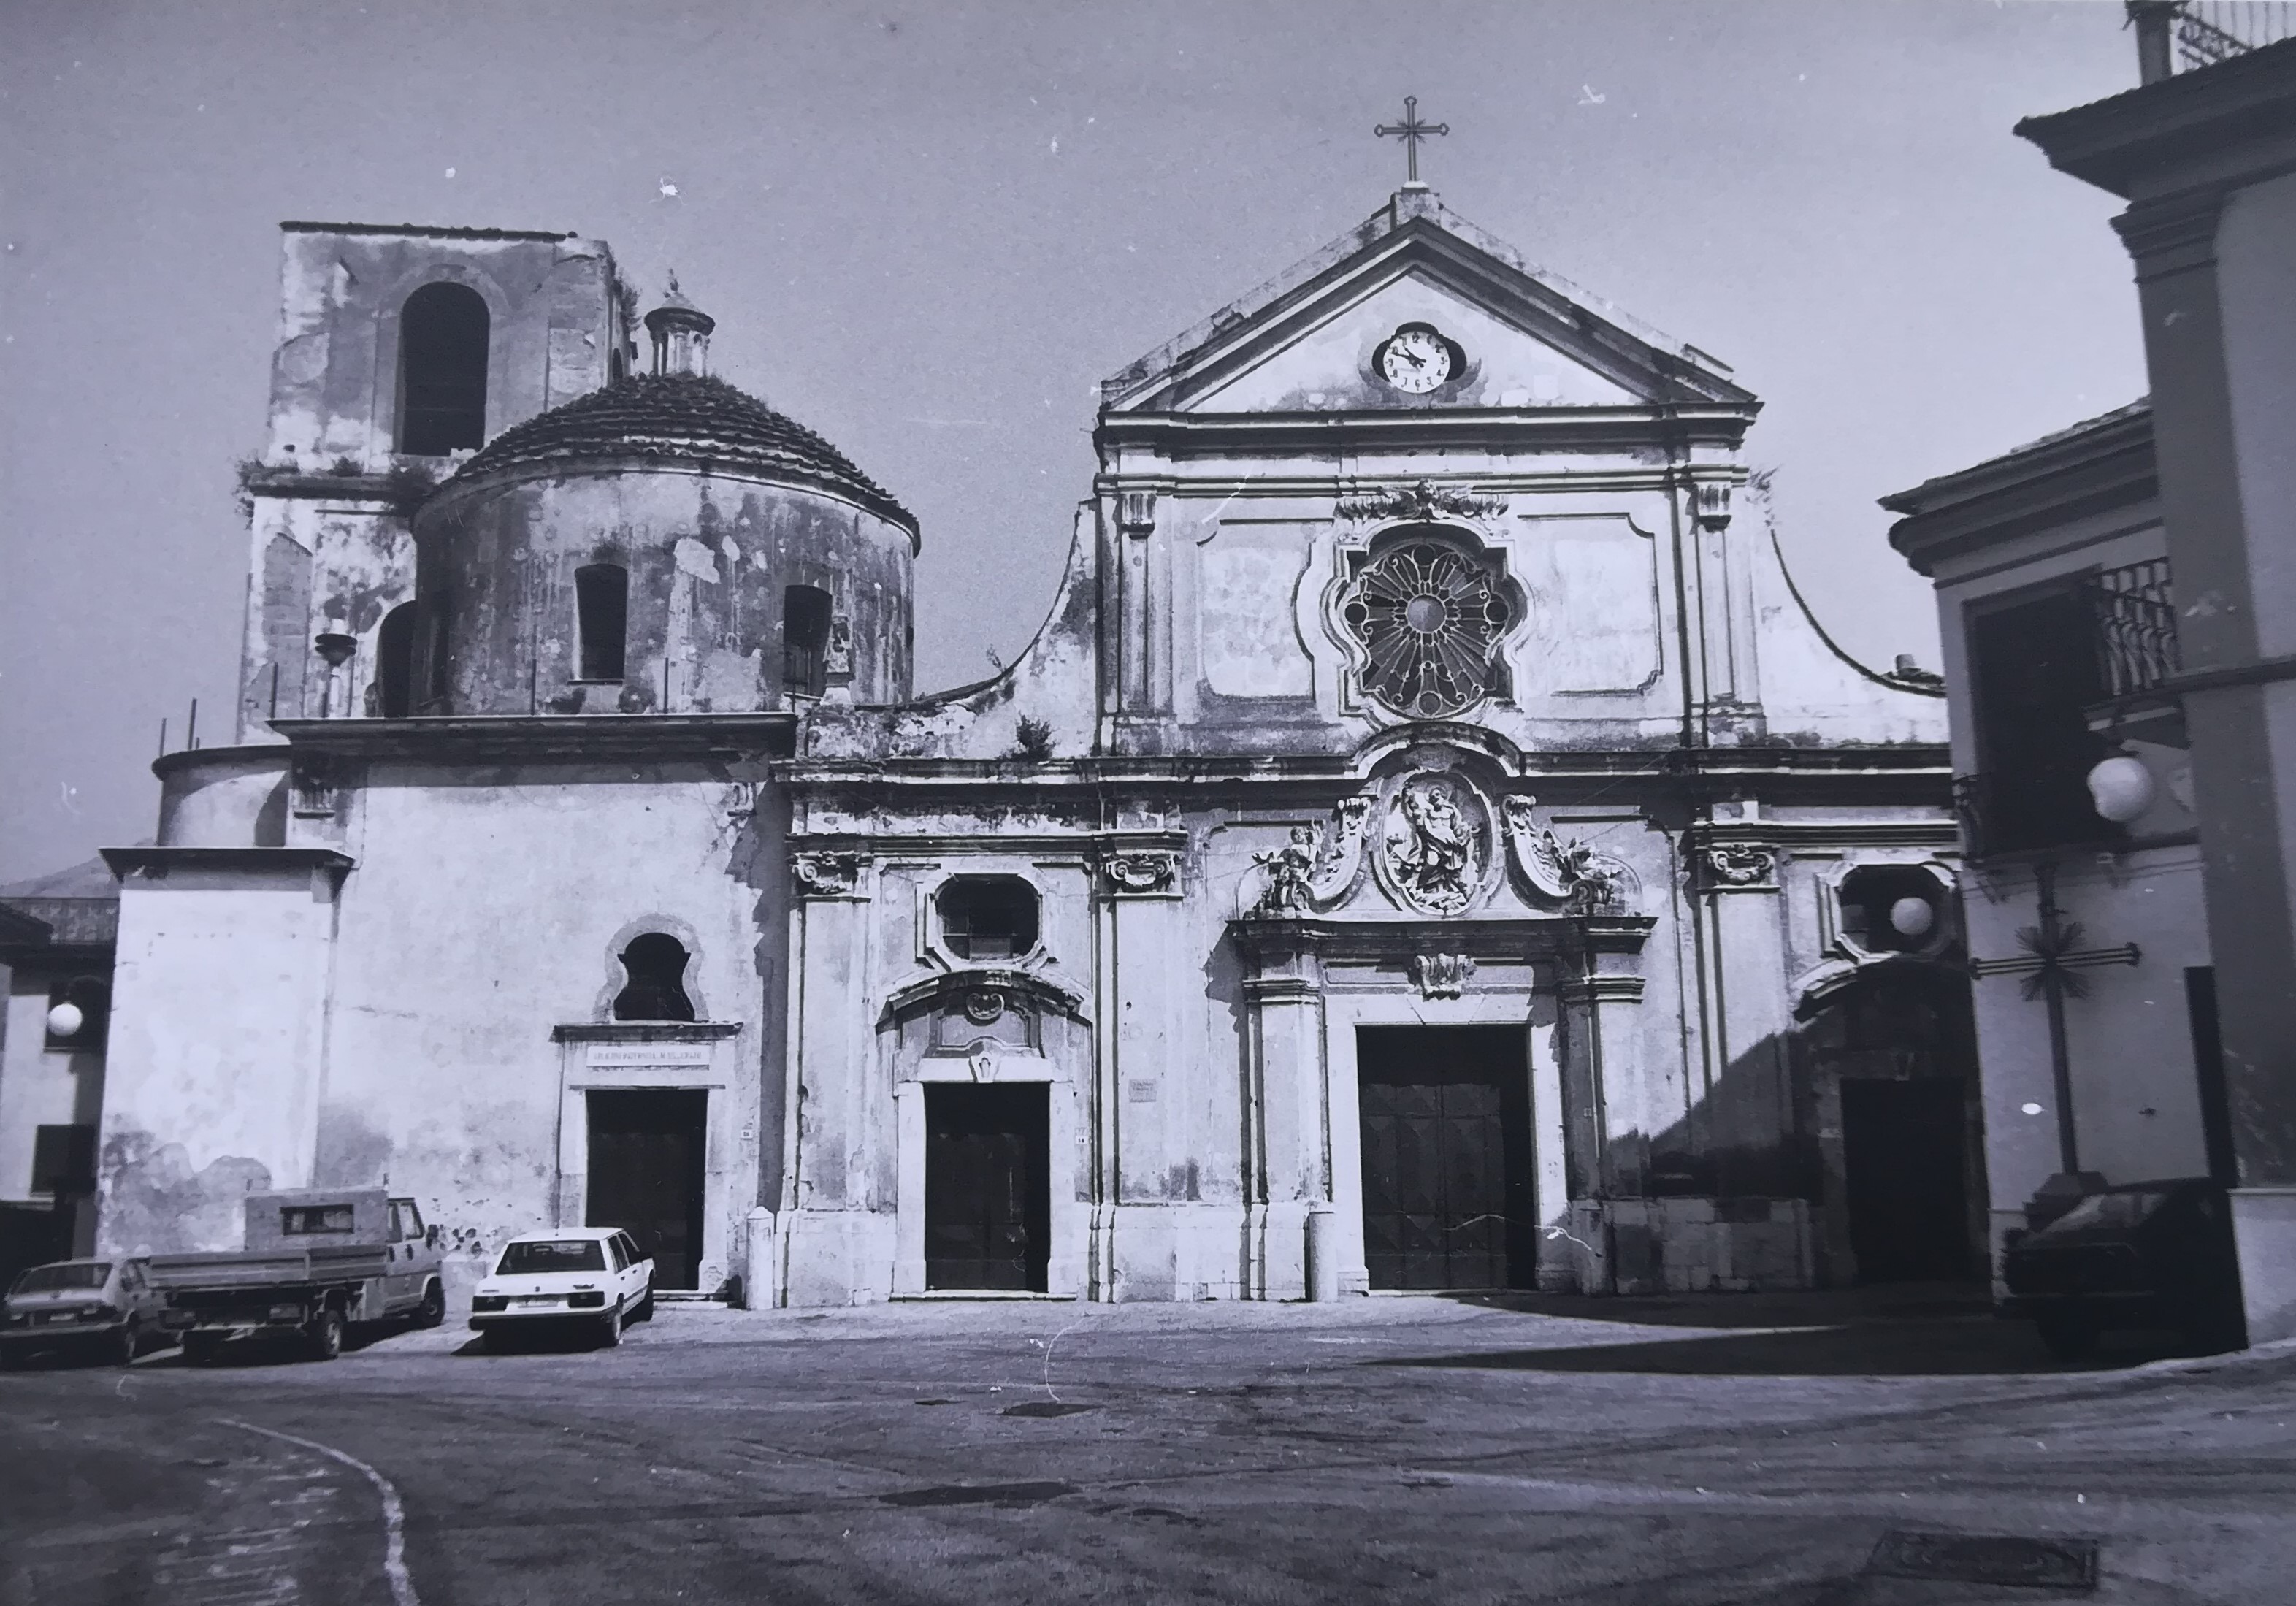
2119 613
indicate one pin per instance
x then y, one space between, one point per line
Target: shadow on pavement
1966 1347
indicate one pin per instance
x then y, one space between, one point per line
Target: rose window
1429 617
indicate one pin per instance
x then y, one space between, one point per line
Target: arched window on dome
442 371
655 965
394 663
601 619
805 640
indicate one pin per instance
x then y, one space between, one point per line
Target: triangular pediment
1323 337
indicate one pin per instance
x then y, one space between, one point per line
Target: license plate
530 1300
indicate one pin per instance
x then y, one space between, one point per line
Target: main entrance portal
988 1201
1446 1162
647 1152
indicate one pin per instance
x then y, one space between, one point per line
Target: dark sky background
928 230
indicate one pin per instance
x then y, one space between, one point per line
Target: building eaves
2198 115
2098 464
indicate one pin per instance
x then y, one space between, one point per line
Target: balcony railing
2186 36
2135 614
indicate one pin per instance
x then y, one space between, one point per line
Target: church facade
1427 845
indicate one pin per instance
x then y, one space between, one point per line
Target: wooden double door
649 1151
1448 1194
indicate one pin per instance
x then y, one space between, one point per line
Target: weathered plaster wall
707 557
329 551
489 908
554 323
217 1050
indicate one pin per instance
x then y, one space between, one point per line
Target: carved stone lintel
1442 975
1421 500
1141 873
827 874
1740 867
984 1006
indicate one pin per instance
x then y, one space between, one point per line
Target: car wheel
433 1308
609 1328
13 1357
2069 1332
202 1348
128 1343
325 1335
644 1309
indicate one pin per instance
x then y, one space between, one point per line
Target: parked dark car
2156 1255
104 1309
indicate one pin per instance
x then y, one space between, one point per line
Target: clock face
1415 359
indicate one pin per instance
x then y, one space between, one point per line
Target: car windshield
552 1255
49 1279
2108 1210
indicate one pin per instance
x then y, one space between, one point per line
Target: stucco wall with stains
709 557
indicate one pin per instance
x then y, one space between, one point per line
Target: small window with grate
988 917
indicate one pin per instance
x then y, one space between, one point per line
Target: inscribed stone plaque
647 1054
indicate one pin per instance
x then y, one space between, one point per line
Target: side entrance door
1446 1164
648 1151
1902 1148
987 1198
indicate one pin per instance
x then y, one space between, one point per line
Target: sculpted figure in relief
1432 845
1290 868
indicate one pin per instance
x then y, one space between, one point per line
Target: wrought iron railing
2135 614
2186 36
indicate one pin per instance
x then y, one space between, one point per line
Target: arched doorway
1891 1066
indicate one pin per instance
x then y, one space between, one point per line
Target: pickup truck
317 1262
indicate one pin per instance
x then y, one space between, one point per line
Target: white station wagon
595 1276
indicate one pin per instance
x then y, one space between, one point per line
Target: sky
928 230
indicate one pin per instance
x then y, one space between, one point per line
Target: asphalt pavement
1813 1450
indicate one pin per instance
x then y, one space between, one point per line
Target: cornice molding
567 738
2173 234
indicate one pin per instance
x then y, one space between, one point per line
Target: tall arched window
394 663
442 371
601 619
805 640
655 965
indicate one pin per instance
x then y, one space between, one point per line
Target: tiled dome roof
688 416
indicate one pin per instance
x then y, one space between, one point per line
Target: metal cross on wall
2050 964
1411 131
